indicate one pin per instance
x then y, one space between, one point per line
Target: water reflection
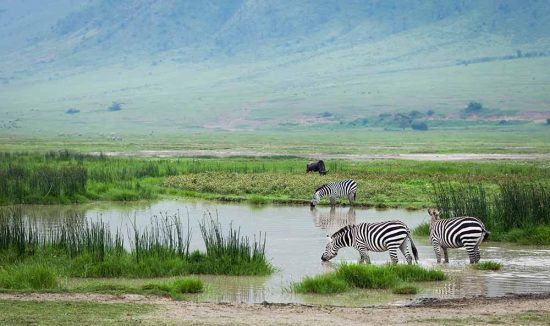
334 220
296 238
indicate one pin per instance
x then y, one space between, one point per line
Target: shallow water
296 238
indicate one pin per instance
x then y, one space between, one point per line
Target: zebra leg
477 255
393 255
332 201
404 247
364 256
351 197
437 250
471 253
445 255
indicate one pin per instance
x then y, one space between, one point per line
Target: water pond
296 237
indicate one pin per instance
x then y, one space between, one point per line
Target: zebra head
434 213
330 251
315 200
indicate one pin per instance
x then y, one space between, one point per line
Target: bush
72 111
419 125
115 106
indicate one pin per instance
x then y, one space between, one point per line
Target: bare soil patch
352 157
513 310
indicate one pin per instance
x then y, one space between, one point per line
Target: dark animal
318 166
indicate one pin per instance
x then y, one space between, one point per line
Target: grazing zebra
381 236
457 232
334 190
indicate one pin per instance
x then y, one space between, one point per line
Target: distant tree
404 123
419 125
429 113
474 107
115 106
414 114
72 111
548 121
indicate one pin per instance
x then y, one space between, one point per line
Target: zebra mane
342 231
321 187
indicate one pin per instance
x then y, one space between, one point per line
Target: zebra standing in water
457 232
381 236
334 190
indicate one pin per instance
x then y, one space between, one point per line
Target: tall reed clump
232 253
80 248
348 276
516 211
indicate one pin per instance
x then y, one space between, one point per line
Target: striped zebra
457 232
334 190
378 237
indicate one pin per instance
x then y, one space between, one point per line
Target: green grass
405 184
28 277
76 249
347 276
487 266
422 230
321 284
71 313
405 289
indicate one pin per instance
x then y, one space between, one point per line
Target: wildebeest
318 166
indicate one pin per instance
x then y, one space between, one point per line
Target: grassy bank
36 257
65 177
513 212
71 313
347 276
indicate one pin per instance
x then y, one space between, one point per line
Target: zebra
456 232
334 190
378 237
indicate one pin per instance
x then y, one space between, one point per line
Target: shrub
72 111
419 125
115 106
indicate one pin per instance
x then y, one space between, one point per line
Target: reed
515 205
89 249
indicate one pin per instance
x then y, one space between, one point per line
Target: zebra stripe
378 237
457 232
335 190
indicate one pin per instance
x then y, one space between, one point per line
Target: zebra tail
486 235
414 250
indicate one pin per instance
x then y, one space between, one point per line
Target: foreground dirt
352 157
517 310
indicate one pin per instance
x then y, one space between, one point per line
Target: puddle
296 238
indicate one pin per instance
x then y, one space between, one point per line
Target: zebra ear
329 239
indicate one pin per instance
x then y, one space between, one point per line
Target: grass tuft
405 289
487 265
321 284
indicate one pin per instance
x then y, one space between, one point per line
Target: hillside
248 64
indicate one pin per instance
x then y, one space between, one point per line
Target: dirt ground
352 157
514 310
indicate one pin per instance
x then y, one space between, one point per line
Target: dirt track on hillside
530 309
353 157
